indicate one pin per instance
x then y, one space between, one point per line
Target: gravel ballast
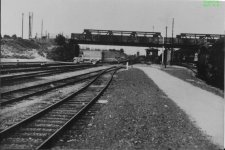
139 115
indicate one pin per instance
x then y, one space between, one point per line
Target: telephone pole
171 61
166 32
41 28
22 24
172 27
165 51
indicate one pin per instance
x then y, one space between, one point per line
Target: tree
75 47
6 36
65 52
60 40
14 36
121 50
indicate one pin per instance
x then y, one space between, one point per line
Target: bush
121 50
14 36
211 64
75 47
60 40
64 53
6 36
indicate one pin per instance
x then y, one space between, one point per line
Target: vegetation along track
39 130
12 77
189 66
12 96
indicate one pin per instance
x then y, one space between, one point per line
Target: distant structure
152 55
172 42
41 28
138 54
22 24
30 24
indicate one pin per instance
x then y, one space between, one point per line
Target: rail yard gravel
139 115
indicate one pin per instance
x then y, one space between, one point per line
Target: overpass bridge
143 39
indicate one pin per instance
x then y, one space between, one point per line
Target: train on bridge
143 39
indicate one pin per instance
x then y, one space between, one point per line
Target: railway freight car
96 56
89 56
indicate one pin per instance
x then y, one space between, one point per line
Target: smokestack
30 24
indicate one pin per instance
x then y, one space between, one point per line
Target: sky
73 16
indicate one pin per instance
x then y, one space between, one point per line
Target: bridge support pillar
167 57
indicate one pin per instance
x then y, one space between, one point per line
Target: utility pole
171 60
166 32
22 24
41 28
153 28
165 51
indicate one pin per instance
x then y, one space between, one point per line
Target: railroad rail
16 95
27 69
10 77
41 129
8 65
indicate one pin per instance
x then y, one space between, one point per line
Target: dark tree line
211 64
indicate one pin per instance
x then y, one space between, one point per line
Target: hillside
17 49
24 49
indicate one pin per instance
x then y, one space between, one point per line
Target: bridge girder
201 36
143 39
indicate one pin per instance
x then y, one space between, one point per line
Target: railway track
27 69
13 77
41 129
75 131
13 65
13 96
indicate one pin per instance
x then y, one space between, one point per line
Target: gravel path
139 115
205 108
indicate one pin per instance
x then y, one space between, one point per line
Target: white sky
70 16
